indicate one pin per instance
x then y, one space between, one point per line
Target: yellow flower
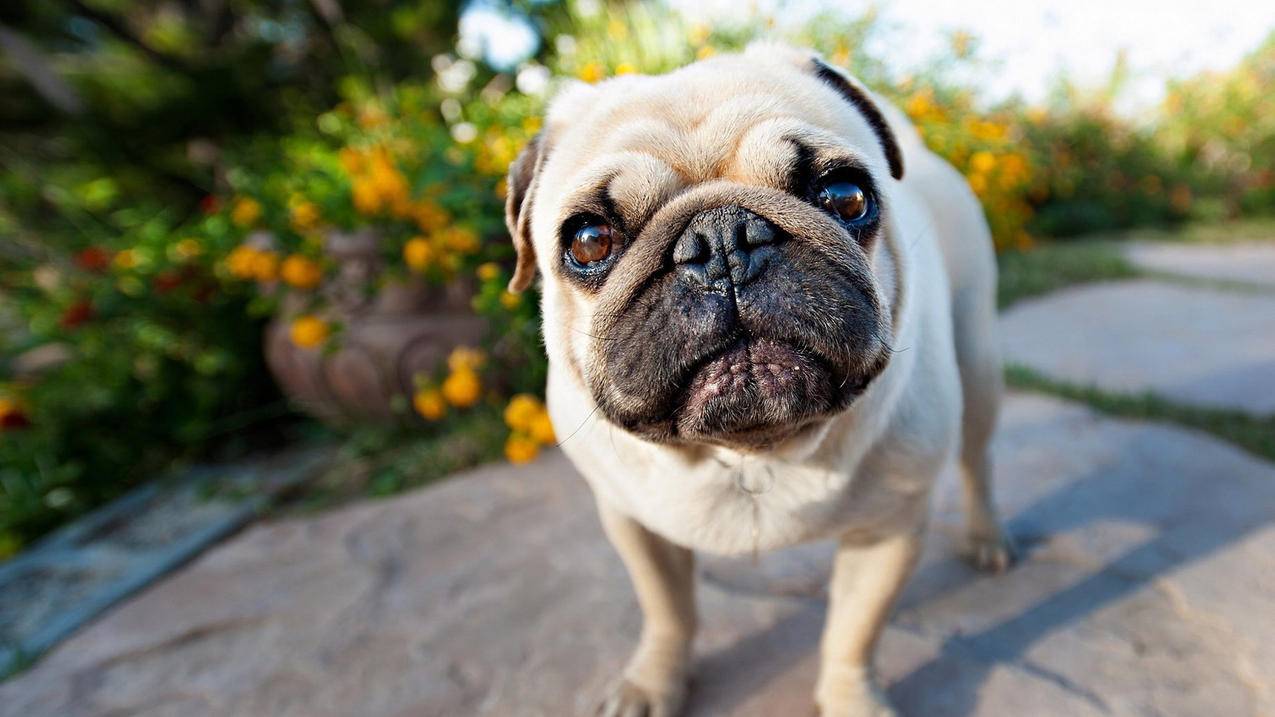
127 259
705 52
265 266
510 300
186 249
351 160
305 216
542 429
698 34
625 68
429 216
841 56
489 271
983 161
617 30
309 331
246 212
520 449
418 254
462 388
460 239
301 272
242 262
464 358
430 404
522 412
592 72
367 200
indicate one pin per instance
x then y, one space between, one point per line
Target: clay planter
389 336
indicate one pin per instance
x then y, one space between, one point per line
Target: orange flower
429 404
460 239
510 300
520 449
542 429
429 216
464 358
462 388
242 262
367 200
309 331
245 212
522 412
265 266
592 72
301 272
418 254
304 216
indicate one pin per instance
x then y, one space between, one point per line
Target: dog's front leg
866 579
654 682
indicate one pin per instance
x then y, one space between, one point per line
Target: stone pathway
1146 590
1202 346
76 573
1247 262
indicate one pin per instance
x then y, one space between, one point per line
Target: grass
1226 232
1255 434
1050 267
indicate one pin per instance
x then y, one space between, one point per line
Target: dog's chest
738 506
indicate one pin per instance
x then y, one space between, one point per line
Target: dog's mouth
754 394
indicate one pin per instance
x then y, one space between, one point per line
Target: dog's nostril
691 247
755 232
725 246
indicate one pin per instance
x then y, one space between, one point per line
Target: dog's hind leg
654 682
988 546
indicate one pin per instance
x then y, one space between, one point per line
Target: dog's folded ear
518 198
862 101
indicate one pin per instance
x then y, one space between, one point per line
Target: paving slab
80 570
1200 346
1145 590
1246 262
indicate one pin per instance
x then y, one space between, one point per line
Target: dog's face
707 240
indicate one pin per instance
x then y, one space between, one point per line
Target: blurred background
229 228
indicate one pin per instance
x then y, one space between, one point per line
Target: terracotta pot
389 336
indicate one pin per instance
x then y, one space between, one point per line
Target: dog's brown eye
845 199
591 244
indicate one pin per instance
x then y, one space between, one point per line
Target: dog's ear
519 194
862 101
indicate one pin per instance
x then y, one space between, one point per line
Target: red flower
76 314
13 419
166 281
209 204
94 259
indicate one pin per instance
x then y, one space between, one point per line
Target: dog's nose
724 247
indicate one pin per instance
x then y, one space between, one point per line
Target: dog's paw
627 699
863 699
991 551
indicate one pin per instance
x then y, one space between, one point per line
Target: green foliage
1050 267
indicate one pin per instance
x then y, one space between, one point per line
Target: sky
1028 42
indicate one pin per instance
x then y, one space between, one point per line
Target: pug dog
769 313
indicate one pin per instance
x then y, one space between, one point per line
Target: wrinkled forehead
731 118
